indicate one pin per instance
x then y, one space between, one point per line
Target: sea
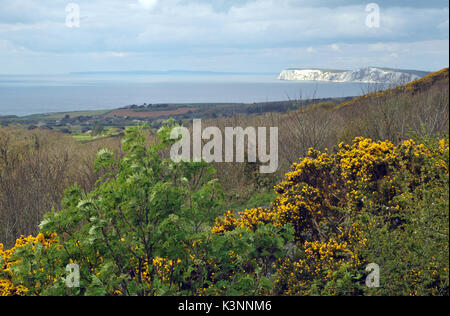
23 95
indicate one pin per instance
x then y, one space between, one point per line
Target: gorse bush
30 253
350 208
415 256
153 227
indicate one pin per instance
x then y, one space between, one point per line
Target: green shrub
146 230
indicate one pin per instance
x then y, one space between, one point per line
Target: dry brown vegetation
35 169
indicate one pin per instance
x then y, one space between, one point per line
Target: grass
61 115
86 137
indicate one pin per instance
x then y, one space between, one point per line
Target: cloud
148 4
212 29
335 48
6 47
117 25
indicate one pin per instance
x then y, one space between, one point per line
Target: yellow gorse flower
7 288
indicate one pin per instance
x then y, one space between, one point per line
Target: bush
369 202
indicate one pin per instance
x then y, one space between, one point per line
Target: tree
146 230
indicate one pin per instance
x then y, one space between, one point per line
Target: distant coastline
175 72
363 75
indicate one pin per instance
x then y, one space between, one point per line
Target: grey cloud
209 29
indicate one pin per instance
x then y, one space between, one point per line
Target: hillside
434 80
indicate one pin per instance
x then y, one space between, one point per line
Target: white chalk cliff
364 75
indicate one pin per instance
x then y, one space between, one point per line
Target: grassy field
61 115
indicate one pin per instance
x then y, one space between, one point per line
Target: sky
41 37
